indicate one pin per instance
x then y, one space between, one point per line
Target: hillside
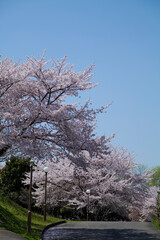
14 218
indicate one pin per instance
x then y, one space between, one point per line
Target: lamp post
46 170
88 191
30 198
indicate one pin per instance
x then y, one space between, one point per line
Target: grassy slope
14 218
155 224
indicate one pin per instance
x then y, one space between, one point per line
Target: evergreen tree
13 175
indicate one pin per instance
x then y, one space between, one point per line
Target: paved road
102 231
7 235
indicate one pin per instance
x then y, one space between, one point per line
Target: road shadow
98 234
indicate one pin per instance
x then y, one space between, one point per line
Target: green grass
155 224
14 218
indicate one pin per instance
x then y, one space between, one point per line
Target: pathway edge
51 225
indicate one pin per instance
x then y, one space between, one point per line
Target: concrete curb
51 225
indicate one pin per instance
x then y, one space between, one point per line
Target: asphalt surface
102 231
7 235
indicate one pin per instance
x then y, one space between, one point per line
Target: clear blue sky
122 39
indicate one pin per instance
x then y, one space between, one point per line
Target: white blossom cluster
35 118
111 179
37 121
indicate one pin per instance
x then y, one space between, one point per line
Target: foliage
155 223
35 118
12 176
155 177
148 210
114 184
158 209
14 218
141 169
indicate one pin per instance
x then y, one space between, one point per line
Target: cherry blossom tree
115 186
35 118
148 211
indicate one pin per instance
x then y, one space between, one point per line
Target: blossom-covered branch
34 114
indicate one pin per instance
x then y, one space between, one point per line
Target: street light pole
88 193
46 170
30 198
